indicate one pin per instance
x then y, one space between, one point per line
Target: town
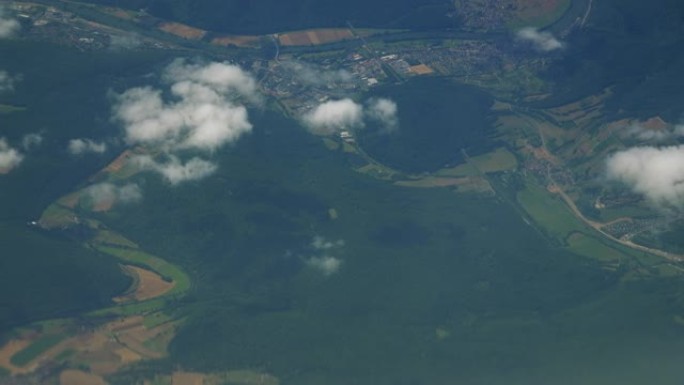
298 77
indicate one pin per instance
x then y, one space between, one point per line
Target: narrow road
555 188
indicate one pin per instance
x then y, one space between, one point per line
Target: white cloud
678 130
326 264
9 157
639 132
84 146
108 194
224 78
642 133
124 42
30 141
543 41
656 173
384 111
7 82
333 116
320 243
8 25
175 171
203 114
345 114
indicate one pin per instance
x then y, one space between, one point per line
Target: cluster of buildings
48 23
298 83
628 228
485 14
355 72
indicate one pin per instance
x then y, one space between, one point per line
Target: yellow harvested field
421 69
104 205
103 350
116 166
70 200
236 40
148 284
119 162
182 30
78 377
127 356
315 36
185 378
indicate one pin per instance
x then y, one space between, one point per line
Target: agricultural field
499 160
549 211
146 285
315 36
537 13
102 350
8 108
183 31
237 40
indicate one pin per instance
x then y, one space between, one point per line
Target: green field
137 257
36 348
549 211
591 247
8 108
538 17
496 161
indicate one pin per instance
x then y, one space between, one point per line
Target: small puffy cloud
30 141
202 114
345 114
320 243
657 173
326 264
9 157
103 196
384 111
124 42
221 77
84 146
175 171
543 41
642 133
333 116
202 109
322 260
7 82
8 26
310 74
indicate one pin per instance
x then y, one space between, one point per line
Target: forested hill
633 46
268 16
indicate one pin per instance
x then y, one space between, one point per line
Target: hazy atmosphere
313 192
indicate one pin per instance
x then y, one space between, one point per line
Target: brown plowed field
315 36
148 285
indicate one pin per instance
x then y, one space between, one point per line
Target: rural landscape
439 194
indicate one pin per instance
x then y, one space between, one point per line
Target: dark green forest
637 48
268 16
